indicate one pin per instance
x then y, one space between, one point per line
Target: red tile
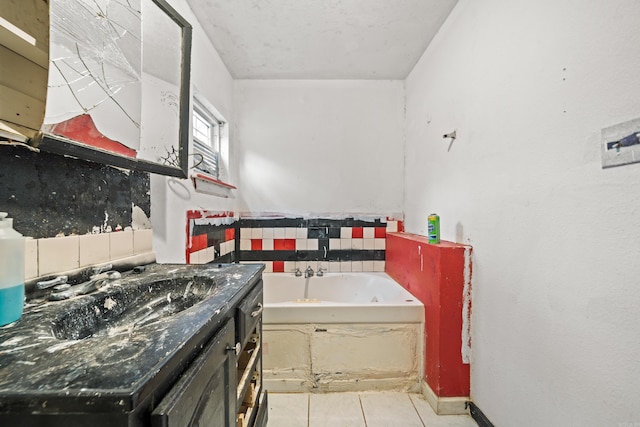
284 244
229 234
256 244
356 233
380 232
290 244
278 266
198 242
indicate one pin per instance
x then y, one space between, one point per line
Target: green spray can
434 228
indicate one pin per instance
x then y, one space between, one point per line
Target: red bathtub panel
435 275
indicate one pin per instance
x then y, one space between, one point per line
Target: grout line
362 410
416 409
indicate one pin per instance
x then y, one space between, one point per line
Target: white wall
318 147
172 197
528 85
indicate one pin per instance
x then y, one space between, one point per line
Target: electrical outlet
621 144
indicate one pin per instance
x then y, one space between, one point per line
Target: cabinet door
205 395
248 314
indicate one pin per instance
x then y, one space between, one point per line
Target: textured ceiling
321 39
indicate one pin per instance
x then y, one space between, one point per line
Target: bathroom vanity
174 346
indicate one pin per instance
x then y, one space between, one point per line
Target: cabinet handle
236 348
258 311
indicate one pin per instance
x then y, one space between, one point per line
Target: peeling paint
466 308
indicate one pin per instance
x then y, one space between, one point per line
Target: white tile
267 233
379 266
357 244
227 247
312 244
345 266
245 244
142 241
334 267
302 233
289 266
324 265
94 249
392 226
380 243
368 232
389 410
345 243
345 232
30 258
356 266
368 244
256 233
279 233
367 266
207 255
334 244
268 266
429 418
267 244
58 254
335 410
245 233
301 244
194 257
120 244
290 232
288 410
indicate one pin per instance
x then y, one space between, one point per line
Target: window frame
212 147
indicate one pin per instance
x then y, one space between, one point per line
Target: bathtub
340 332
338 298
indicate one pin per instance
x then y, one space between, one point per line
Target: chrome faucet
308 272
297 272
93 284
320 272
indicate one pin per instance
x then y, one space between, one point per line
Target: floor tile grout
416 409
364 417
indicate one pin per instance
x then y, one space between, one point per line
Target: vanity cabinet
223 386
201 366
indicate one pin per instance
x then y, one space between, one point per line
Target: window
207 140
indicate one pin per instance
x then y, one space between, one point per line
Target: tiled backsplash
285 244
332 244
55 255
211 236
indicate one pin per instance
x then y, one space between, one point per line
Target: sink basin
122 309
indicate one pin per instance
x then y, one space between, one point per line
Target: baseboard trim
478 416
445 405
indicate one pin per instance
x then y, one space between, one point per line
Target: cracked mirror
118 89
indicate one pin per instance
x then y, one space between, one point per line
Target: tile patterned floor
365 409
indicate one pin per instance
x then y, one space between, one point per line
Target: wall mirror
118 90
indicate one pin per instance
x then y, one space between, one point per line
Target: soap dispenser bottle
11 271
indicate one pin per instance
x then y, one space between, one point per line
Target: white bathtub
353 332
338 298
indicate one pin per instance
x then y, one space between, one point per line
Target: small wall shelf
206 184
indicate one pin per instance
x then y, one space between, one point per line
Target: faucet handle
53 282
297 272
320 272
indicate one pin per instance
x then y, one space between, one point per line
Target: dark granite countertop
122 366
